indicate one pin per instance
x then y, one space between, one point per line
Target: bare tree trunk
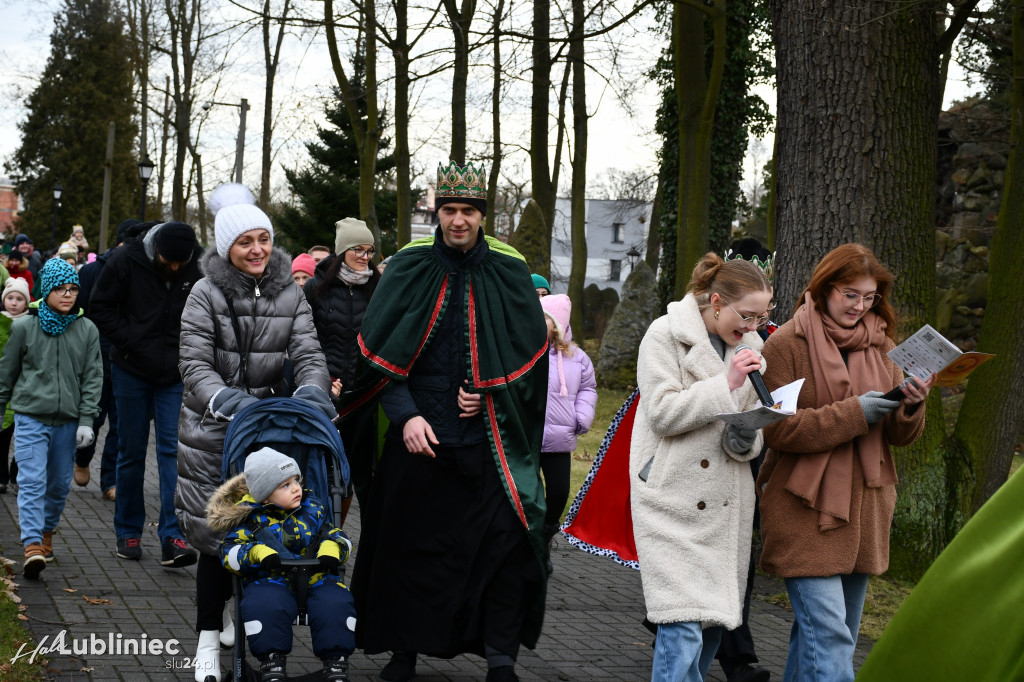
855 162
990 419
653 232
495 171
271 62
540 172
400 50
165 136
365 130
696 97
578 271
182 17
460 25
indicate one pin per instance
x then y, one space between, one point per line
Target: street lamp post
57 191
243 107
145 173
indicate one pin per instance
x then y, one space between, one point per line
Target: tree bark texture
696 95
855 162
400 50
365 130
495 171
990 419
271 60
543 188
460 24
578 270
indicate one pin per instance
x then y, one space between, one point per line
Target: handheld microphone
763 394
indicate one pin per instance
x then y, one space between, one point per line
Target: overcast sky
618 139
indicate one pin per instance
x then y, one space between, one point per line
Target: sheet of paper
785 398
924 353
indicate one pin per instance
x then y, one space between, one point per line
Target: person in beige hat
339 294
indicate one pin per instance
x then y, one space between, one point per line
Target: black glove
328 563
228 401
271 562
317 396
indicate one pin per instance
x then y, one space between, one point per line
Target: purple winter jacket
572 414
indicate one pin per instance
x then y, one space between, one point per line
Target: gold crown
467 181
767 266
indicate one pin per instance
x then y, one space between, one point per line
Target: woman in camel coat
828 483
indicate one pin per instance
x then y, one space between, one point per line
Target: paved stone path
592 629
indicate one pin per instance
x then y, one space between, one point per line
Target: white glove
84 437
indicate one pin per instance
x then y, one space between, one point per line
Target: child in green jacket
15 300
51 373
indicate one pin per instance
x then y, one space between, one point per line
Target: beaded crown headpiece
767 266
463 182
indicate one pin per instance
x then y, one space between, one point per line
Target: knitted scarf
354 277
52 322
824 479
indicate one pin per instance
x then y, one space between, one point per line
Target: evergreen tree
327 189
87 83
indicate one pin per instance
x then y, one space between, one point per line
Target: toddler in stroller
268 516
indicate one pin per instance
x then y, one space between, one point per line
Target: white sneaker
207 661
227 628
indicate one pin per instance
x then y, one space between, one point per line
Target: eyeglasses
363 253
66 291
747 320
852 298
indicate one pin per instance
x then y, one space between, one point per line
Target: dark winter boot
335 670
273 668
400 668
550 530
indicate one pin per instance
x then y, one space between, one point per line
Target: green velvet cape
505 338
965 618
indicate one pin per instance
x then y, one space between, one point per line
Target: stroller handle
300 563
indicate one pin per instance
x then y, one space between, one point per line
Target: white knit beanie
235 212
16 285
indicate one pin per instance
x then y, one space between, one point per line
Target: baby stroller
300 430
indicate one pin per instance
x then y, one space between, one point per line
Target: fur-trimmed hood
224 511
236 284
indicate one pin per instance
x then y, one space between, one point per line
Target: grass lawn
13 634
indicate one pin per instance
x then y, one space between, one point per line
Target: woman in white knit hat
240 324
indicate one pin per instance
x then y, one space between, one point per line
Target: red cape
600 520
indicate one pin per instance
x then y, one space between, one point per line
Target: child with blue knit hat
52 375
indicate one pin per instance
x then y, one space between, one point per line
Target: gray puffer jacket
275 325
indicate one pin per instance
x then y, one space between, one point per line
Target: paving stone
592 629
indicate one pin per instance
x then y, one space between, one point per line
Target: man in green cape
451 556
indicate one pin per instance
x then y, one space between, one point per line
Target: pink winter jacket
572 388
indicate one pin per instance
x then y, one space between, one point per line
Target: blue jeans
826 620
683 653
108 413
45 457
136 399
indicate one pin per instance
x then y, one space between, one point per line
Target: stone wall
972 154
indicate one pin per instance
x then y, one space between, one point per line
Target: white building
616 241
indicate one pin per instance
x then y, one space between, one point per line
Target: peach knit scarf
824 479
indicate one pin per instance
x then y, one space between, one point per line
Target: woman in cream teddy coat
692 495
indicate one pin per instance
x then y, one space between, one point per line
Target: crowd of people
466 363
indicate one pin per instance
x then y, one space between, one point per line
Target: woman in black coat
339 294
